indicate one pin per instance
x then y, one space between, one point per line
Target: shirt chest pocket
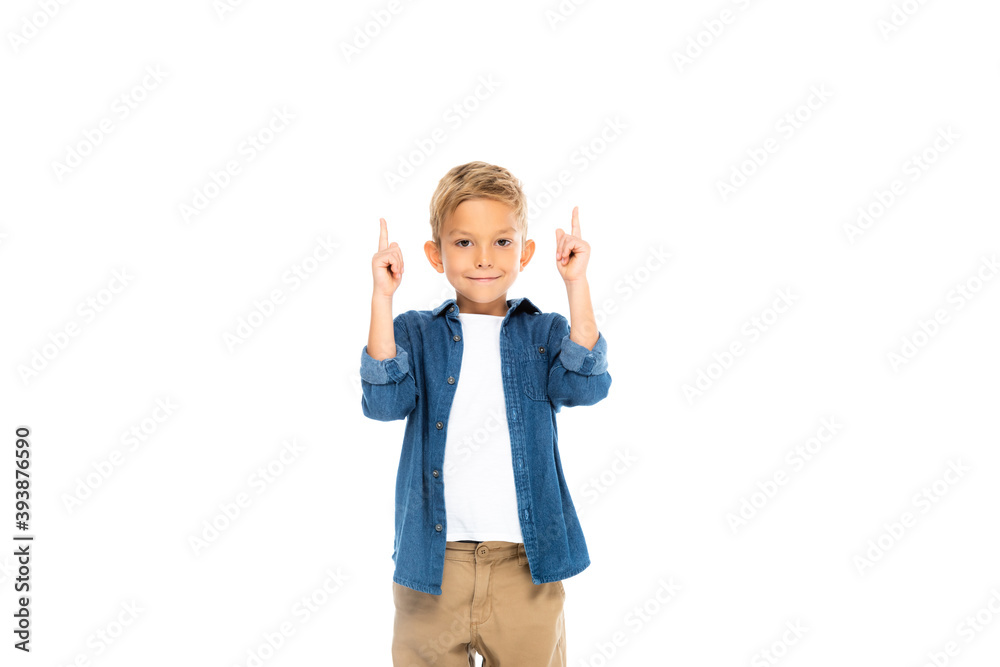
533 367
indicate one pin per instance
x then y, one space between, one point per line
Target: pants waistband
491 550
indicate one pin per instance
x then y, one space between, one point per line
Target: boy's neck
496 307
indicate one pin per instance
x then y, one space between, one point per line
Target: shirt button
450 310
438 527
456 338
541 350
451 380
440 425
436 473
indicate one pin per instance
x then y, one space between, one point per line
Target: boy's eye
508 242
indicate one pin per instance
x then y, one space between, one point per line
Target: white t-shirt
479 494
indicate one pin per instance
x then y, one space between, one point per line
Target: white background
651 190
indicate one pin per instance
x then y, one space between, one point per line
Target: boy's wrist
578 292
381 306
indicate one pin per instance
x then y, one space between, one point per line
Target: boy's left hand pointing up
572 252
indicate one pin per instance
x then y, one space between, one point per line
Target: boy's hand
572 252
387 264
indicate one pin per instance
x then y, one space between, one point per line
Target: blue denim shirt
543 370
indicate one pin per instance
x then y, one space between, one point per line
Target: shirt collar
513 305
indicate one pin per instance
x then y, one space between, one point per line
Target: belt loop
522 557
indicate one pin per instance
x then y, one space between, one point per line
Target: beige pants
488 604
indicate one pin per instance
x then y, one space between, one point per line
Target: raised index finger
383 235
576 222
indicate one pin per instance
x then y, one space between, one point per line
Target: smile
484 280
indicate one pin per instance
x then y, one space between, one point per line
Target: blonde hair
477 180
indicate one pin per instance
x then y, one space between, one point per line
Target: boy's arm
579 369
578 375
581 313
388 390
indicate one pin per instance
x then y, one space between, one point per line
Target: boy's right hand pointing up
387 265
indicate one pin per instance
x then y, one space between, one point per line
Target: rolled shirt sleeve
577 358
577 376
384 371
388 388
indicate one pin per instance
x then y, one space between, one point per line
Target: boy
485 526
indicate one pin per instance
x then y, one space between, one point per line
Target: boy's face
479 240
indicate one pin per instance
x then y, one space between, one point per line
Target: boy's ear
434 256
527 252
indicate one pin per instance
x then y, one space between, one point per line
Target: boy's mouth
484 280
